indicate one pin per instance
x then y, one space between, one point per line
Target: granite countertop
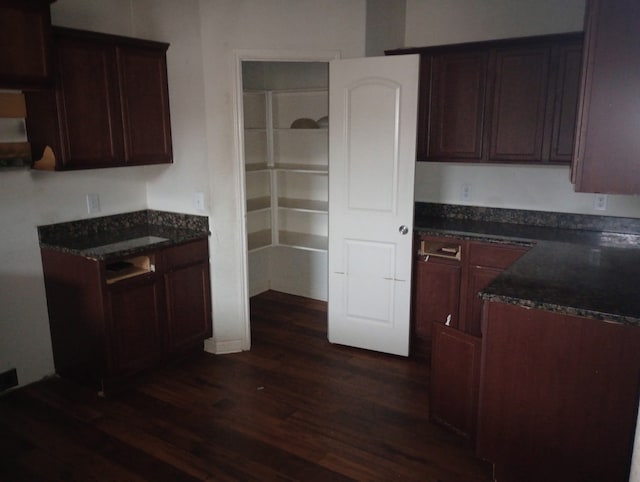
573 267
123 234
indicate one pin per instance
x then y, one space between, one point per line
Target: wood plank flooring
295 407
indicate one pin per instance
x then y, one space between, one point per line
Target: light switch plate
466 192
93 203
198 200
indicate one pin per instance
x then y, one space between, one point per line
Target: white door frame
240 56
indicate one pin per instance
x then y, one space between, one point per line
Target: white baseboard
222 347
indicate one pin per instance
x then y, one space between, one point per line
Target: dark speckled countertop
578 264
123 234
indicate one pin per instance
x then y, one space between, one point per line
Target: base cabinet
558 396
108 325
455 379
446 286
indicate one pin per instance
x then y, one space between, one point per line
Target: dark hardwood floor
293 408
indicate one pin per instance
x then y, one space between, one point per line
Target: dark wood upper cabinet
88 103
607 155
109 106
503 101
458 82
25 44
145 105
565 108
517 104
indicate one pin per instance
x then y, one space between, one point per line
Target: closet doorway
285 141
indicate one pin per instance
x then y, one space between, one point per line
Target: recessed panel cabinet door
373 108
188 306
457 105
88 104
136 315
519 104
145 105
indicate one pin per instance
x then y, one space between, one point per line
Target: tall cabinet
286 175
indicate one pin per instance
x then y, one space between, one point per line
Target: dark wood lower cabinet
135 324
558 397
106 328
455 379
188 306
437 296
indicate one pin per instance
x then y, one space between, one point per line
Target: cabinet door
569 68
455 379
144 98
87 102
607 142
457 105
518 104
24 43
479 278
188 306
135 310
424 108
437 295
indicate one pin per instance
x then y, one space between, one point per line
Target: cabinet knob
403 229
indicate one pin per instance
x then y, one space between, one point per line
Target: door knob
403 229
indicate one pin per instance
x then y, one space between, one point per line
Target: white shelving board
307 205
259 240
258 204
311 242
286 169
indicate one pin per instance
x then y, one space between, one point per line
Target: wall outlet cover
600 202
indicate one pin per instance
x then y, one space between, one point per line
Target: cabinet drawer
194 252
494 255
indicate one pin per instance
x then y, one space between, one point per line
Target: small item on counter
323 122
304 123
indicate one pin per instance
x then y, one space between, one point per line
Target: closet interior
286 155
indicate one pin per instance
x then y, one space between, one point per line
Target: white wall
432 22
385 26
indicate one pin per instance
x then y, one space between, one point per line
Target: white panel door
372 138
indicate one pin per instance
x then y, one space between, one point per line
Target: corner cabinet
608 145
109 106
113 319
25 27
287 168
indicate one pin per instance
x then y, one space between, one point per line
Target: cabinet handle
403 229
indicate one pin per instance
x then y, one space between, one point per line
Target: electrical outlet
600 202
466 192
198 200
93 203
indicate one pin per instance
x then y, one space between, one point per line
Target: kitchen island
560 354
